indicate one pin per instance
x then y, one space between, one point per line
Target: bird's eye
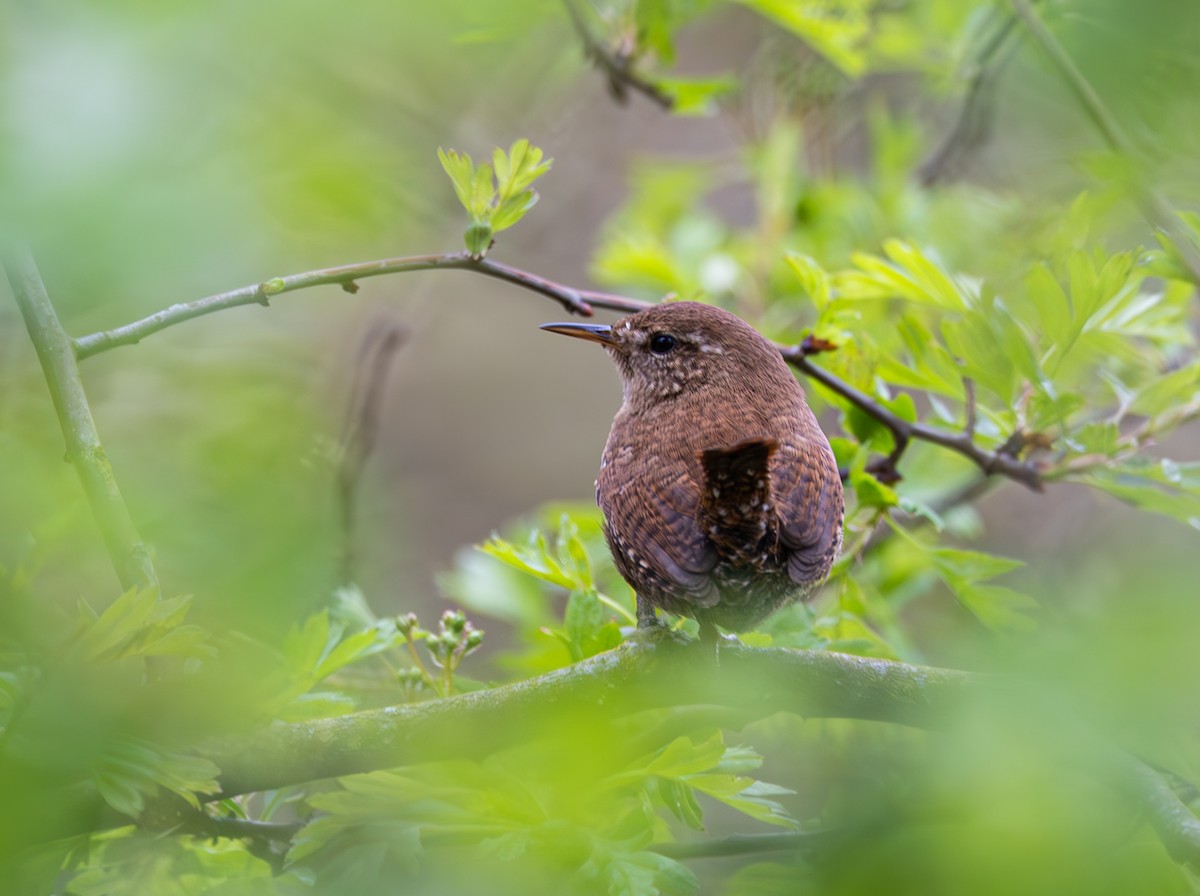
661 343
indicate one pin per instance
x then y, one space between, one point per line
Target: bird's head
678 348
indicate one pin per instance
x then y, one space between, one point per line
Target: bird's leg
647 617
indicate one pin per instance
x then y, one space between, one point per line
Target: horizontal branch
751 682
576 301
755 682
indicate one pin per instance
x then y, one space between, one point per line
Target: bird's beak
601 333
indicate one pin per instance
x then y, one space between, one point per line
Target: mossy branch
747 684
755 682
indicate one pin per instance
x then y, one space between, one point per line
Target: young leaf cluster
497 195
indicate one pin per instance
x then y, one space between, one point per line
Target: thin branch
1156 209
128 553
756 844
617 67
972 409
576 301
1000 462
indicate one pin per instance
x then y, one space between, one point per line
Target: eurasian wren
721 497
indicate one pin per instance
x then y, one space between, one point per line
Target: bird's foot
654 633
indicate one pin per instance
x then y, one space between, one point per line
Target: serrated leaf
971 565
813 278
1166 487
349 650
305 645
683 756
535 560
1000 609
750 797
461 170
120 622
1168 391
681 802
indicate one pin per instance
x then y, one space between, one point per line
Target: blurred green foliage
995 278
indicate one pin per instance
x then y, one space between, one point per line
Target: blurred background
156 153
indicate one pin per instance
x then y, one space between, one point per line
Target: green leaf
647 874
583 622
680 800
971 565
353 648
1168 391
870 492
813 278
117 624
461 170
684 756
534 559
1097 438
1000 609
1166 487
750 797
130 770
482 193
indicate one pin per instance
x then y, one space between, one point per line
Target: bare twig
1000 462
1156 209
576 301
617 67
128 553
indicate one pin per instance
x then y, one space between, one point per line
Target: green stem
128 553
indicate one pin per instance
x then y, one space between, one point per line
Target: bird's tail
736 507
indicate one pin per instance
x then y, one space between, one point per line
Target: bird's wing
653 530
808 499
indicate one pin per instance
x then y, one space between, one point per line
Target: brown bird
721 497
